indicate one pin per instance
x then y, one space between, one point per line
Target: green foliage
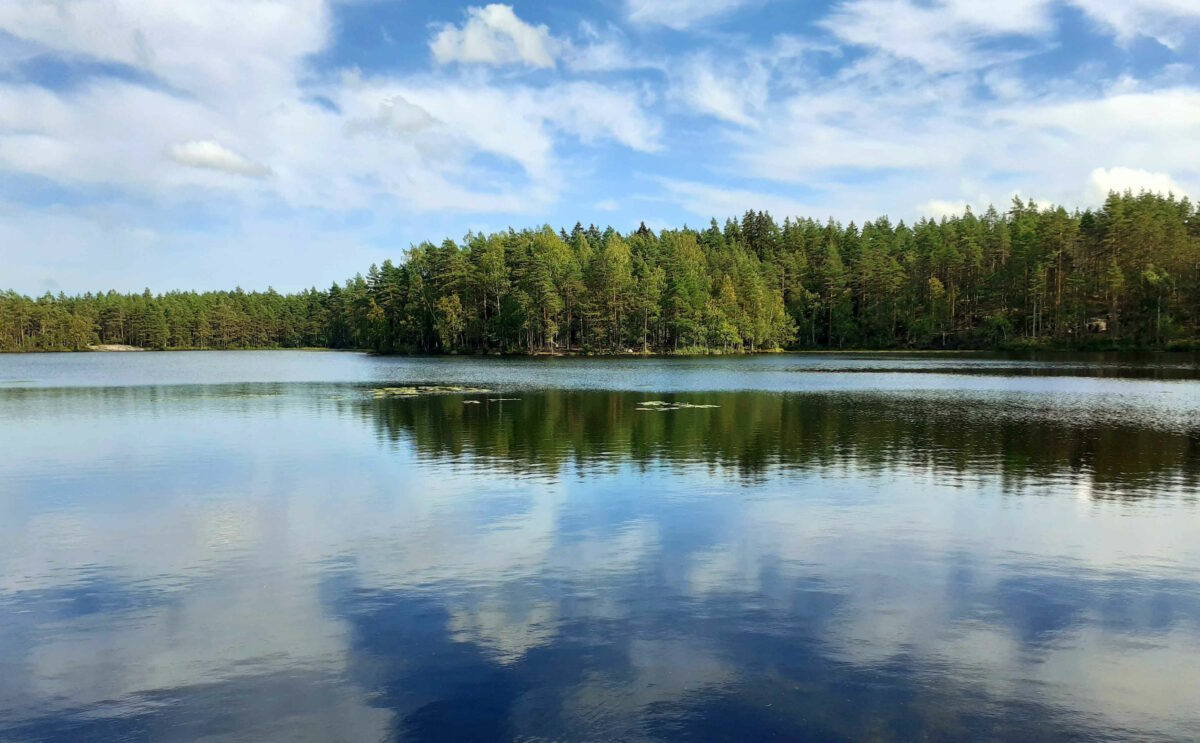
450 322
217 320
1128 274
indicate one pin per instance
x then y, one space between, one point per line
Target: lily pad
417 391
660 406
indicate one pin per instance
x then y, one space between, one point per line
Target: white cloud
233 91
239 99
412 153
1139 128
211 155
606 51
738 89
1158 19
1028 17
519 124
495 35
947 35
594 112
901 29
1107 180
941 36
607 205
876 132
108 132
680 14
209 46
708 201
1005 85
854 126
938 209
733 93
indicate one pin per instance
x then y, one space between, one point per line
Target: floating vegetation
419 390
660 405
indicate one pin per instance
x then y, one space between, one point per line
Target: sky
210 144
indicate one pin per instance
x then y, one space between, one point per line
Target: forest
1124 276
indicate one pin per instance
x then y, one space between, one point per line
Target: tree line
1127 274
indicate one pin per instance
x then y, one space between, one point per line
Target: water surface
233 546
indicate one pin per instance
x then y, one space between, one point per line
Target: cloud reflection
311 564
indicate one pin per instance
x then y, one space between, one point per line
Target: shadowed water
843 548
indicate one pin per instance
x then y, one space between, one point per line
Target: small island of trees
1126 275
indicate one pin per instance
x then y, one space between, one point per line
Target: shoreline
1011 350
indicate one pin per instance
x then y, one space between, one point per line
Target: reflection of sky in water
304 562
775 372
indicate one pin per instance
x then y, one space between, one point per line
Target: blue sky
289 143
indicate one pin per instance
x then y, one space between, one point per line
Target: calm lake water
253 546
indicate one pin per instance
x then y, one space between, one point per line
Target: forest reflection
1105 446
300 561
1026 444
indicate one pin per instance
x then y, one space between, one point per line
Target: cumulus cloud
211 155
227 95
239 94
494 35
871 135
882 104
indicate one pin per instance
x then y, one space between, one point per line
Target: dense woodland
1125 275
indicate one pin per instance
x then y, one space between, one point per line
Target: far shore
689 353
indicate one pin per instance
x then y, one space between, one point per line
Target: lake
261 546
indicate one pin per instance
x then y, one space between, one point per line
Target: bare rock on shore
117 347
